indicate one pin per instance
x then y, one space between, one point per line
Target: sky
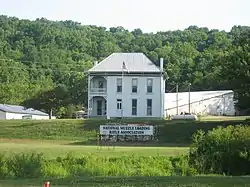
148 15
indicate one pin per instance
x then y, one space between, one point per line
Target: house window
105 107
119 85
134 85
149 85
134 107
119 104
149 107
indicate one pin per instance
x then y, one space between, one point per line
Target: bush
181 166
25 165
3 167
54 169
36 166
222 151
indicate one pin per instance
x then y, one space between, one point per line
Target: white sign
144 130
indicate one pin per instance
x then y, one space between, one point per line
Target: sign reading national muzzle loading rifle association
144 130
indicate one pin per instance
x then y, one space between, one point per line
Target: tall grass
32 165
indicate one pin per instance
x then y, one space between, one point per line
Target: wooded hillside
43 63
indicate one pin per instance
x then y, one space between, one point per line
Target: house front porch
97 107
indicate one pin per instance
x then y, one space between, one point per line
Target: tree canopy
43 63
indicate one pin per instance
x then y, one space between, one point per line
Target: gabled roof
135 62
20 110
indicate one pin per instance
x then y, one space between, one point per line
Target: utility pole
50 113
189 110
177 100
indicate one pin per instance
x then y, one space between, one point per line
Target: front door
99 107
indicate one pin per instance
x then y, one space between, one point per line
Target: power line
49 69
38 68
171 90
45 69
42 62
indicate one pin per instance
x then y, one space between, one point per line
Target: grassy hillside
85 131
80 167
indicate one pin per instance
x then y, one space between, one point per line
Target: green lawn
224 118
53 137
52 149
58 137
86 131
137 181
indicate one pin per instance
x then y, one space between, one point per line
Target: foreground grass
22 166
210 181
52 149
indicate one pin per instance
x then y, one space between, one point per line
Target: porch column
92 107
88 96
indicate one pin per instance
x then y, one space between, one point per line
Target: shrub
222 151
73 165
181 166
54 169
3 167
25 165
36 166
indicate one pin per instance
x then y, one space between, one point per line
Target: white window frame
149 108
134 108
149 85
118 104
119 85
134 83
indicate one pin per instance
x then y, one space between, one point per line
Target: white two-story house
126 85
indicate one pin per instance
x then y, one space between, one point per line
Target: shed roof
20 110
170 98
135 62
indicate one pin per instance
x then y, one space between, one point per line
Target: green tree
38 56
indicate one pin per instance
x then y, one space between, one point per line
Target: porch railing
98 90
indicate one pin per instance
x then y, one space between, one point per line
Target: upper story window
134 85
119 85
149 85
134 107
149 107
